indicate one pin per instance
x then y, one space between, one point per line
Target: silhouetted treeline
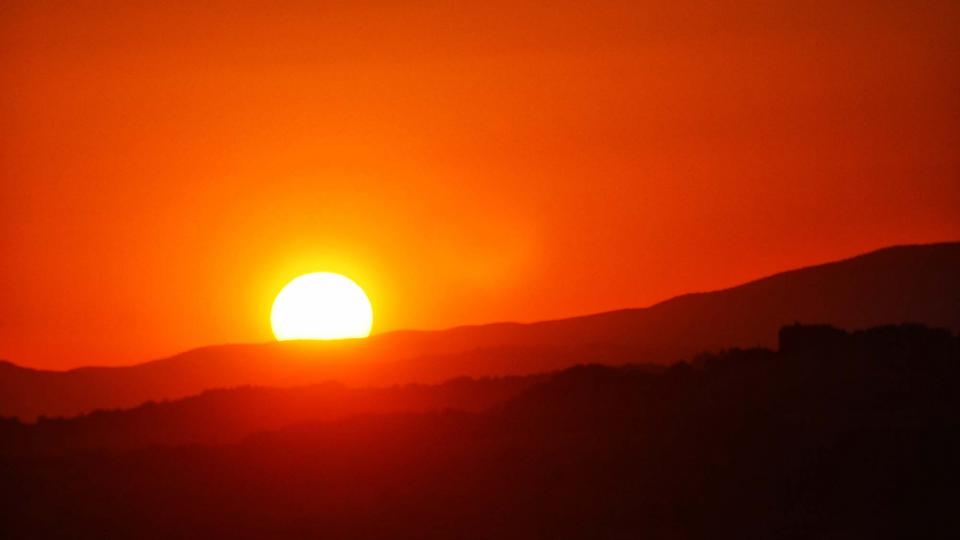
836 435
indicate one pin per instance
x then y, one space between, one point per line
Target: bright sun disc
321 305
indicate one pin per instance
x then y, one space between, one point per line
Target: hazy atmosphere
165 169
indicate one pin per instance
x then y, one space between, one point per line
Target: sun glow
321 305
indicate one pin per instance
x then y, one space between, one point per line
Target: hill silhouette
229 415
834 435
890 286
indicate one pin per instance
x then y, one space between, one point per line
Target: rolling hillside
890 286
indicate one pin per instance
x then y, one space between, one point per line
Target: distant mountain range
890 286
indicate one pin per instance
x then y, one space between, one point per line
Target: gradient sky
164 170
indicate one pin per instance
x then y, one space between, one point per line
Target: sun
321 305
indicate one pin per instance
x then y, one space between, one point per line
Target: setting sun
321 305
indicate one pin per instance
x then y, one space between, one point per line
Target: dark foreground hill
891 286
835 435
230 415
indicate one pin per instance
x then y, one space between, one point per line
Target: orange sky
164 170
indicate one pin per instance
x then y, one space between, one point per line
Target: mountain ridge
407 333
898 284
